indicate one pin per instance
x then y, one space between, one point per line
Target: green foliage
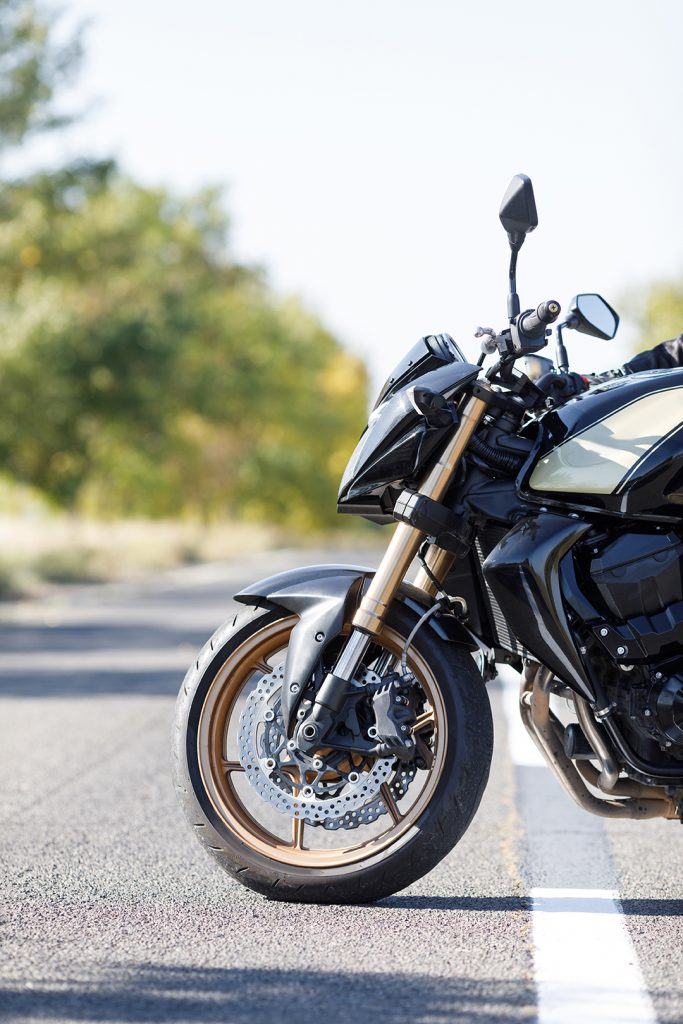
661 315
32 68
143 372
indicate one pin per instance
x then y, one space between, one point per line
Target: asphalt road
111 911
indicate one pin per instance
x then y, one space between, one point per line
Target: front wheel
337 827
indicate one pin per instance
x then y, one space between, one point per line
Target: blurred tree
144 372
660 312
32 69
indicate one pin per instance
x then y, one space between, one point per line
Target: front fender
325 597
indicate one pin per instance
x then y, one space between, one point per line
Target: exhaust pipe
546 733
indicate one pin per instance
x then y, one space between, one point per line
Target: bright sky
366 145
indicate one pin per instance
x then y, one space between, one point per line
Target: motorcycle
333 739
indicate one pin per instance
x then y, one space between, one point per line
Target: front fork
369 618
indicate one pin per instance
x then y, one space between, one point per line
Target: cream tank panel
601 458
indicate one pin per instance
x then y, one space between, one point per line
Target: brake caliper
393 707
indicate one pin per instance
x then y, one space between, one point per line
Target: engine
638 586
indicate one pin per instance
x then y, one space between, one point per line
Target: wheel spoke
423 721
263 668
298 833
232 766
391 805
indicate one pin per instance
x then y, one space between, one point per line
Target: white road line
585 967
584 961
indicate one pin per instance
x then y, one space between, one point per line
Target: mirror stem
561 351
513 297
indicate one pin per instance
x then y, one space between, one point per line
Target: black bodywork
523 572
401 439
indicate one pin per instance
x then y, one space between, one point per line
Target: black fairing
649 478
398 441
523 572
427 354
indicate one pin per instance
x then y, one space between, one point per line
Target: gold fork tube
436 484
406 540
391 570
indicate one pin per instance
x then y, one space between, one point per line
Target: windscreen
429 353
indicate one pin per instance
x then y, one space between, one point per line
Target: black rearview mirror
590 314
518 210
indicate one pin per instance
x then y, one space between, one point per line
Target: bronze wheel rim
221 773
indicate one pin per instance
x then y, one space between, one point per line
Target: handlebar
534 323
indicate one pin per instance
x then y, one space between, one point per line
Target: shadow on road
631 908
92 684
87 637
135 993
652 908
498 903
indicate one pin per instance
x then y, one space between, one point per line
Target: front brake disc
272 763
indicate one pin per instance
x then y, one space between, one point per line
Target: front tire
211 787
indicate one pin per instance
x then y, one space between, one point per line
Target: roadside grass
39 552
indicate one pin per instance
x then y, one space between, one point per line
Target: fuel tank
618 449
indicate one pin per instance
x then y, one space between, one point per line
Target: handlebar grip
534 323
